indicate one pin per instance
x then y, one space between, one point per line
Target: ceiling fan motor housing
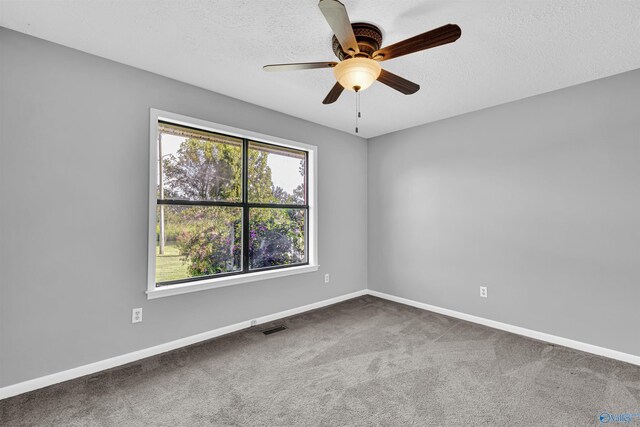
368 36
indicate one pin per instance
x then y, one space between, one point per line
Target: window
227 206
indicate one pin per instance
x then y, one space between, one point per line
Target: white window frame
217 282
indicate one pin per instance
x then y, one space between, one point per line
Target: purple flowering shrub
276 237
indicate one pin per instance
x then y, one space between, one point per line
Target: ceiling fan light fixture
357 74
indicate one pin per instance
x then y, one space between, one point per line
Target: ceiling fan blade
442 35
336 15
398 83
299 66
334 94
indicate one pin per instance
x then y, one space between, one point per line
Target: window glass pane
198 165
198 241
276 174
277 237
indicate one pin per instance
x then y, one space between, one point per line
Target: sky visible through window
281 166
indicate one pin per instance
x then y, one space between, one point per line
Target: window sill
220 282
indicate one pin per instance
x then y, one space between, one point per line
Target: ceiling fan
357 46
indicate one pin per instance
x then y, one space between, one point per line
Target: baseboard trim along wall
541 336
34 384
58 377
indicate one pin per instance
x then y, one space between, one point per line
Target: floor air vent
274 330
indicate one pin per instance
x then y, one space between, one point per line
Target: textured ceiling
508 50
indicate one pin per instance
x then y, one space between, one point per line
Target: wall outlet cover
136 315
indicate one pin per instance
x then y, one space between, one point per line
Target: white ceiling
509 49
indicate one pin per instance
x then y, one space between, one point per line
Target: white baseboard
577 345
58 377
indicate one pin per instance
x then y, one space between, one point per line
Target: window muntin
231 205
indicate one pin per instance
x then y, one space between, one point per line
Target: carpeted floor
362 362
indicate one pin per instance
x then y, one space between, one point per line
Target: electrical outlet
136 315
483 291
326 278
254 322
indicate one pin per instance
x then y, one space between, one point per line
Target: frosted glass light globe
357 74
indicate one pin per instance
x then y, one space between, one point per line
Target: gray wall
74 175
537 199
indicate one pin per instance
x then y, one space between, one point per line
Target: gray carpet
362 362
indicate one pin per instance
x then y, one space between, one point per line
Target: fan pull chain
357 109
